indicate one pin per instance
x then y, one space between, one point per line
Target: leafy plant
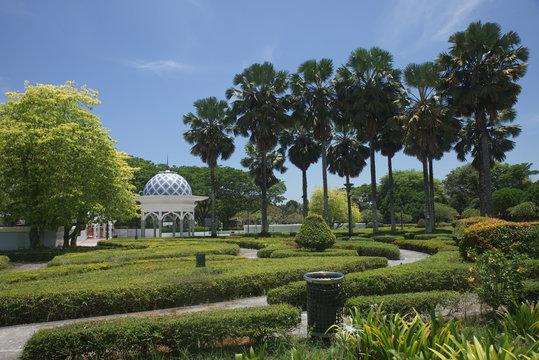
523 320
315 234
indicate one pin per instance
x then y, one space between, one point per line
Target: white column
154 219
160 220
173 224
143 225
181 226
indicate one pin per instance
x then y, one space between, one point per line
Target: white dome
167 183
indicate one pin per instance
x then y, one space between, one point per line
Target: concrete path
29 266
13 338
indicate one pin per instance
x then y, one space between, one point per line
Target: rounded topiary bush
315 234
421 223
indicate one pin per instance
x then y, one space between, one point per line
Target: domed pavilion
168 195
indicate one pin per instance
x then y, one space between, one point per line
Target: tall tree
58 166
368 89
347 158
303 151
208 133
498 141
274 161
260 112
429 127
314 97
480 74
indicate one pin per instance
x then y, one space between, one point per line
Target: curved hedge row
292 252
427 246
442 271
138 336
404 303
387 238
146 287
371 248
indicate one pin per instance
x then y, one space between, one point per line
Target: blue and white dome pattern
167 183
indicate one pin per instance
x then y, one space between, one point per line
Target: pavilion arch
167 194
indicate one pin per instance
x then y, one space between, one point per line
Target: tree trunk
66 236
427 196
305 200
34 237
350 225
373 189
391 195
482 207
431 202
213 220
487 180
325 181
264 212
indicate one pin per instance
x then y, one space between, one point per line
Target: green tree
347 158
337 206
367 90
208 133
366 216
58 166
526 211
480 74
313 100
429 127
260 112
444 212
303 151
274 162
505 198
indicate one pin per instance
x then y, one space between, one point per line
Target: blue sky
150 60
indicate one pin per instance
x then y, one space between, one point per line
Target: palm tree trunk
482 207
391 196
373 188
305 201
350 227
487 180
431 202
325 181
427 196
213 219
264 212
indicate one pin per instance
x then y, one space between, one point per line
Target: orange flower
471 279
471 269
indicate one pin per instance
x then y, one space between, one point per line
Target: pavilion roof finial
167 163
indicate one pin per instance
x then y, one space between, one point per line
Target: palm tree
480 74
274 161
260 112
498 140
390 142
208 133
313 99
346 157
368 88
429 127
303 151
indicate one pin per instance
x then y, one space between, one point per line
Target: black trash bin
325 301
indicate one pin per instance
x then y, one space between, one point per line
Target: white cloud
455 16
162 66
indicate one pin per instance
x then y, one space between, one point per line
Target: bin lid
323 277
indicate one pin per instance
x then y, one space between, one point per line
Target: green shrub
442 271
158 284
291 252
260 243
523 320
315 234
139 336
421 223
267 251
525 211
470 212
502 235
387 238
530 290
427 246
404 303
430 236
372 248
505 198
202 228
4 261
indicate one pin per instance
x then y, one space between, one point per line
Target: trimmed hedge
291 252
442 271
427 246
372 248
278 234
4 261
315 234
431 236
41 254
260 243
151 286
404 303
181 249
134 336
387 238
267 251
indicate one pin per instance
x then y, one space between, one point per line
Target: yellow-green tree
58 165
337 206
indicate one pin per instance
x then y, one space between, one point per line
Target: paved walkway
13 338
